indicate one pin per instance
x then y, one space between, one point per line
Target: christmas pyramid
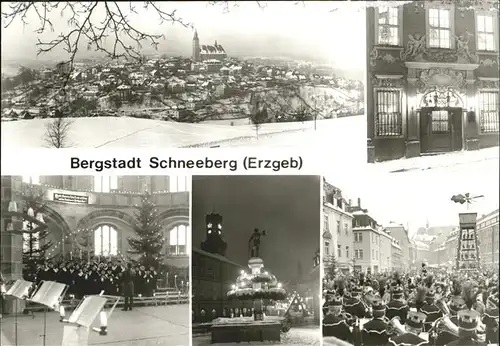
297 308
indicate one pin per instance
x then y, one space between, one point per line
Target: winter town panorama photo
95 260
182 74
255 260
432 87
411 260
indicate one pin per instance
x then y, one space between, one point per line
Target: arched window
105 241
105 183
179 183
178 240
31 179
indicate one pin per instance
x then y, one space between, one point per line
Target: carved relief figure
414 48
463 53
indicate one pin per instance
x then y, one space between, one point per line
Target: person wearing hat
443 336
375 331
335 322
397 306
414 324
490 319
354 305
431 310
328 298
467 329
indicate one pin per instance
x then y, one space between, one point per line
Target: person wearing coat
128 278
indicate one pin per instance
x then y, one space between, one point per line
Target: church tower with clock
214 242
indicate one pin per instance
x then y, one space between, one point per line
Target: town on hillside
209 85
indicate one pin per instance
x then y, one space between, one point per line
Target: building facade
400 234
337 229
396 256
91 216
433 78
488 236
366 241
213 275
385 251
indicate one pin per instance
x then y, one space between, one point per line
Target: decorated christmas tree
35 244
149 241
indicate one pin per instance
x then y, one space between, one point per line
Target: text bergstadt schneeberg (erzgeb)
248 163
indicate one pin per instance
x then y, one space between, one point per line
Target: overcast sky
413 197
287 207
280 29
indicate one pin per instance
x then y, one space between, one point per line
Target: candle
62 313
71 255
104 319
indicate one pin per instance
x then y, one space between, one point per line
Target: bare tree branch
57 133
86 28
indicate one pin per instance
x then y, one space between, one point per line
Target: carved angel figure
463 42
415 45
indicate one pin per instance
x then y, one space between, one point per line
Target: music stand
76 333
20 289
50 295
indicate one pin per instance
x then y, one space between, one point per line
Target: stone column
11 245
471 119
412 116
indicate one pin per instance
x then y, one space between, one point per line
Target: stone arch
112 217
171 218
108 214
55 217
448 97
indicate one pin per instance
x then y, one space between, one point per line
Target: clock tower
214 242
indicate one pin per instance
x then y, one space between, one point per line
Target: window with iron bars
388 120
488 111
439 121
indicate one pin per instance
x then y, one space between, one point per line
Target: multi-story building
337 229
451 249
487 232
433 78
396 256
400 233
366 241
213 275
422 252
385 250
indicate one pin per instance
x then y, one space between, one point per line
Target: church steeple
196 46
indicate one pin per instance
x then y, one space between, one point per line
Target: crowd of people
414 308
92 276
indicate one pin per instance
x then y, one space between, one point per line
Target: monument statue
254 242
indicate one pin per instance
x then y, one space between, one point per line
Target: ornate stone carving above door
440 78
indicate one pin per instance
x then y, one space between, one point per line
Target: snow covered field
339 143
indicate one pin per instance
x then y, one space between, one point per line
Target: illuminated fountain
257 286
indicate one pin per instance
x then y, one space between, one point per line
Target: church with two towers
207 52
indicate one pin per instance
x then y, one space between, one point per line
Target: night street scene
255 260
95 260
411 259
